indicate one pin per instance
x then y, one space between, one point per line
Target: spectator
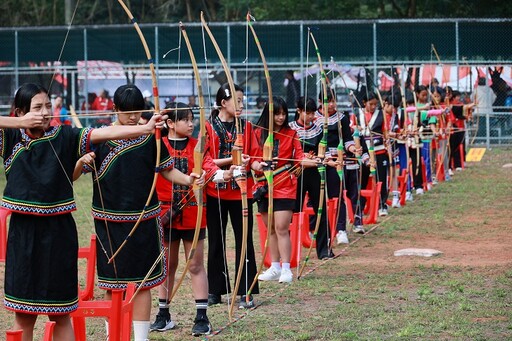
145 117
103 103
60 113
484 97
192 102
292 89
260 103
147 99
87 105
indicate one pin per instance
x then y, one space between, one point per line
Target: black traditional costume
122 181
41 275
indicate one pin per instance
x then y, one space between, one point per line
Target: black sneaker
214 299
330 255
162 323
201 326
244 304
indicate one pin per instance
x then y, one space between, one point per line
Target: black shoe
214 299
330 255
201 326
162 323
244 304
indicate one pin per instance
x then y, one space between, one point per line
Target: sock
286 266
163 307
276 265
140 330
396 194
201 307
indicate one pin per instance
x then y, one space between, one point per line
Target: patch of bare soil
466 249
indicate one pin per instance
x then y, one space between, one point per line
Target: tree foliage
97 12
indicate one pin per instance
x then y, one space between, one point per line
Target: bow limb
322 147
405 126
416 131
198 160
156 100
268 154
236 153
386 140
340 158
74 117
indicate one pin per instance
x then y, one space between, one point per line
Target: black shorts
279 205
187 235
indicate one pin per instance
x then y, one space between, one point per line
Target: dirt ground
480 239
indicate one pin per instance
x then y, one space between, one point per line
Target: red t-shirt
288 147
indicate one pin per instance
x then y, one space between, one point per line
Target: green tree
97 12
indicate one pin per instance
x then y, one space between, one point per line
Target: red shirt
288 146
226 191
102 104
164 188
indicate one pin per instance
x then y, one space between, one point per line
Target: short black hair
129 98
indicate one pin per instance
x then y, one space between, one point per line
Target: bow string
158 133
198 159
268 153
322 147
236 153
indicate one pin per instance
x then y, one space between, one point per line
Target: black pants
381 170
309 182
352 186
456 139
217 218
333 188
417 174
382 176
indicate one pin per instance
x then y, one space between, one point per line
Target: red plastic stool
332 213
372 196
13 335
424 175
48 331
294 236
17 335
440 172
89 254
118 311
4 214
402 186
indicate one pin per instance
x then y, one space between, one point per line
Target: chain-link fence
357 55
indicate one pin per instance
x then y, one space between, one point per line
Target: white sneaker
272 274
408 196
396 202
341 237
286 276
383 212
419 191
429 186
450 172
458 169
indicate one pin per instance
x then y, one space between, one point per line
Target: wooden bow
236 153
268 154
198 159
322 146
158 133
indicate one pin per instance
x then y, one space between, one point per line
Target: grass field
368 294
